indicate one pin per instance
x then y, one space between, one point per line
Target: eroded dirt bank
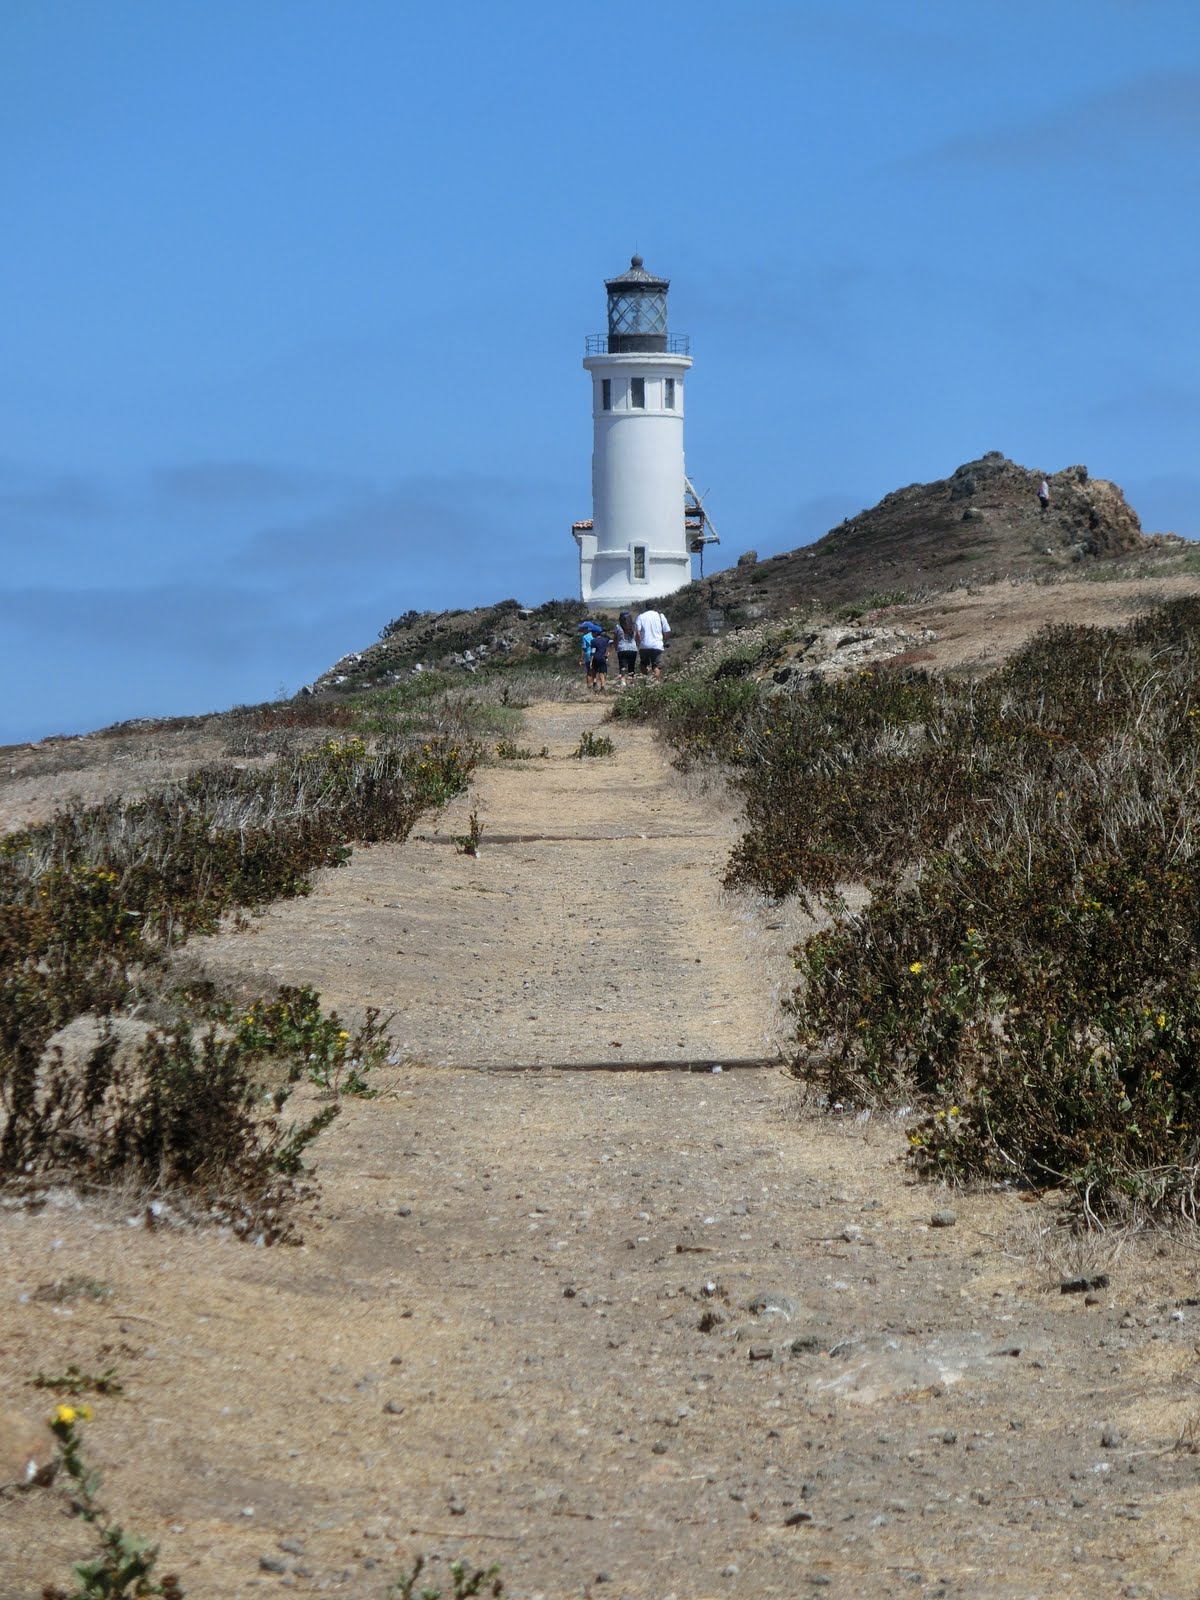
634 1334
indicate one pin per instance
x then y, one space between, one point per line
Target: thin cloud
423 519
861 34
201 623
1111 126
209 484
1167 402
31 492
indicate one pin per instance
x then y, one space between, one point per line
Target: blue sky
295 294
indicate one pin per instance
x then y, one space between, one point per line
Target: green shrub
467 844
703 717
467 1580
75 1381
593 744
1029 964
293 1029
510 750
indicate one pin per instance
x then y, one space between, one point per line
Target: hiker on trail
586 645
627 652
651 630
599 661
1044 494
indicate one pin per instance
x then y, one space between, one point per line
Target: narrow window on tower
637 393
668 394
639 557
606 394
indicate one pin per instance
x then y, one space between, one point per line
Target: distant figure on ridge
627 653
1044 494
651 630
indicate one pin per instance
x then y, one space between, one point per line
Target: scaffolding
697 522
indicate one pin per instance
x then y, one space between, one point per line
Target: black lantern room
637 310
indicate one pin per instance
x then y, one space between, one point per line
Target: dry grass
1058 1244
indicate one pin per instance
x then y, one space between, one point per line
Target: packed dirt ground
644 1332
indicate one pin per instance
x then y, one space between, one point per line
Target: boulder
28 1450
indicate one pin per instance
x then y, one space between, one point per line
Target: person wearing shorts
600 661
651 630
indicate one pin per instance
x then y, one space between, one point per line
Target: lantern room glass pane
637 312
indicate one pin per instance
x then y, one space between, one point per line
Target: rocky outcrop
988 509
984 522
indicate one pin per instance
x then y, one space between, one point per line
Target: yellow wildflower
1161 1019
914 966
65 1414
343 1034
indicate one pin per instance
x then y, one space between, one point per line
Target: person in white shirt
650 631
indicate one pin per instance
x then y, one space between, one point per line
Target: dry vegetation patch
1028 964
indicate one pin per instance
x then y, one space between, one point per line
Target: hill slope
981 524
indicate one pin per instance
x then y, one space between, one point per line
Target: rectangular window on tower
668 394
637 393
639 563
606 394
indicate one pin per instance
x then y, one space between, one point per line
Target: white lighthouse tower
640 539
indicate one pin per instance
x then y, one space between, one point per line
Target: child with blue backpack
599 676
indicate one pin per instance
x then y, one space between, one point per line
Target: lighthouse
646 518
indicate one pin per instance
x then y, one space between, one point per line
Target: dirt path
979 629
591 926
631 1334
